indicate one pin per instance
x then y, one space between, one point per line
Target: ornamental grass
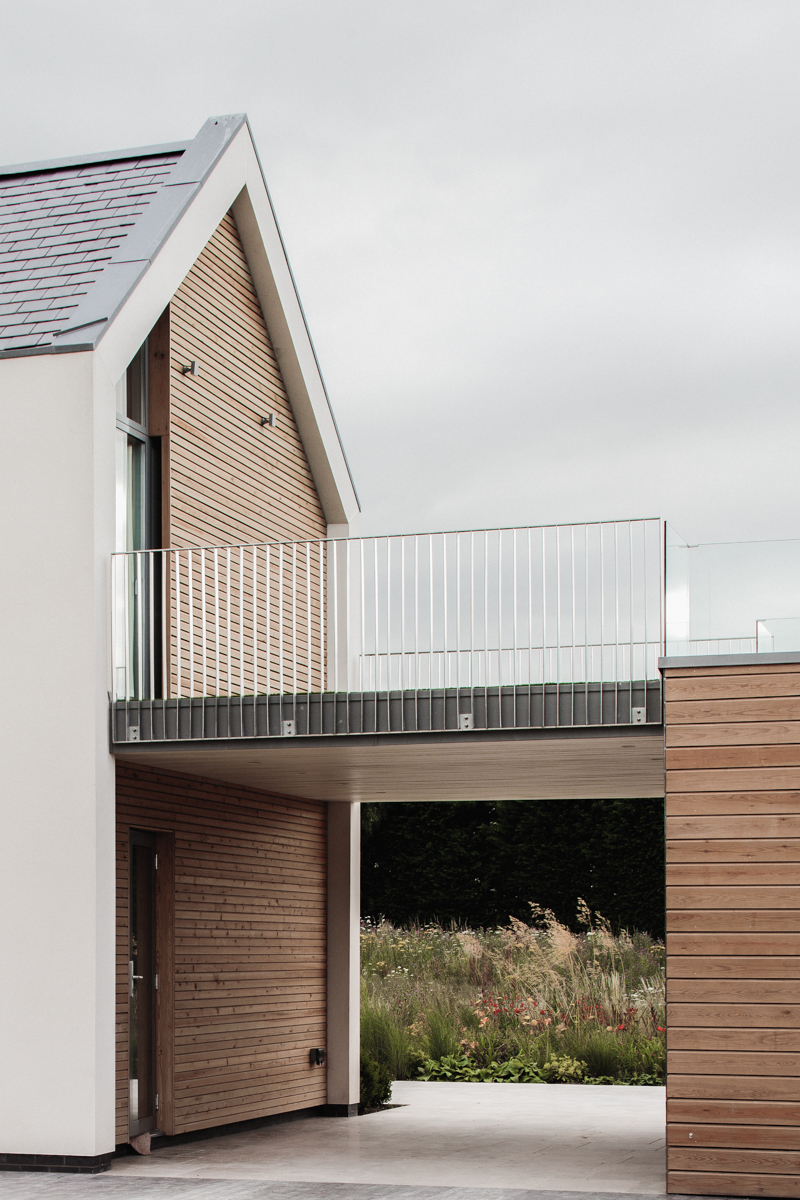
529 1002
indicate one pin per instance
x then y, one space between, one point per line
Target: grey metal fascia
86 160
726 660
151 232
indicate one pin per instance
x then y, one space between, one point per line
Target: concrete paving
476 1141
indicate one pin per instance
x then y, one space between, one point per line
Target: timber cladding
733 930
231 479
245 928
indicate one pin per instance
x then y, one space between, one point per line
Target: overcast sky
549 251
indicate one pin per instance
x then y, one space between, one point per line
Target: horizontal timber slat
770 825
250 946
706 712
692 990
733 943
734 850
734 1112
758 803
732 1087
733 967
732 920
709 875
739 733
751 1038
733 1016
725 1183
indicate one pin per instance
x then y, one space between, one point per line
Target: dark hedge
477 863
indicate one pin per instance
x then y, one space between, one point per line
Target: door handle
131 975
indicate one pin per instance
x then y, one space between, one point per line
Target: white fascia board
275 286
237 182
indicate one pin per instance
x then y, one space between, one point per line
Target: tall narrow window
138 521
134 455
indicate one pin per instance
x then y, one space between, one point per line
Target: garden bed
527 1003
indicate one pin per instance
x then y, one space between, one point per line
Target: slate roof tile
58 229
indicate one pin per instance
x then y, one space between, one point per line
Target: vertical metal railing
566 605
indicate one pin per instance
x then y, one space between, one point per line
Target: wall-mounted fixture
192 369
270 420
289 728
316 1057
638 716
466 721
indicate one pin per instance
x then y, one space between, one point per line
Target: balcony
529 628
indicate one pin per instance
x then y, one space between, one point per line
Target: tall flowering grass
529 1001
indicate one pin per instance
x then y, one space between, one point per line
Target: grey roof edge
48 348
86 160
727 660
124 270
303 313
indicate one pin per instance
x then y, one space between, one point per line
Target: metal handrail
563 604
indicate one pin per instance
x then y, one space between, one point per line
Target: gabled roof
78 239
76 235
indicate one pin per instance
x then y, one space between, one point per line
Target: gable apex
93 249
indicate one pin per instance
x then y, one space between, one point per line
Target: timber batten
249 948
733 930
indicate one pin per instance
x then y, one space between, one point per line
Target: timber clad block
733 921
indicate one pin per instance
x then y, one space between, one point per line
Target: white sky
549 251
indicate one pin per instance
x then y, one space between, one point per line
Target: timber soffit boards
78 237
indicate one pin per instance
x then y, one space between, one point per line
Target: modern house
207 669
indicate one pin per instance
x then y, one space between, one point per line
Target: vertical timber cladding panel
234 481
733 930
249 945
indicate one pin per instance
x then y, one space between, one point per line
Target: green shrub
460 1068
376 1086
563 1069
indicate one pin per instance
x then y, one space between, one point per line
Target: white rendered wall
57 792
344 950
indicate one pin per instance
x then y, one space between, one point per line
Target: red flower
661 1029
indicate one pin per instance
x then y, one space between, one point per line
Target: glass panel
130 492
141 1059
732 597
